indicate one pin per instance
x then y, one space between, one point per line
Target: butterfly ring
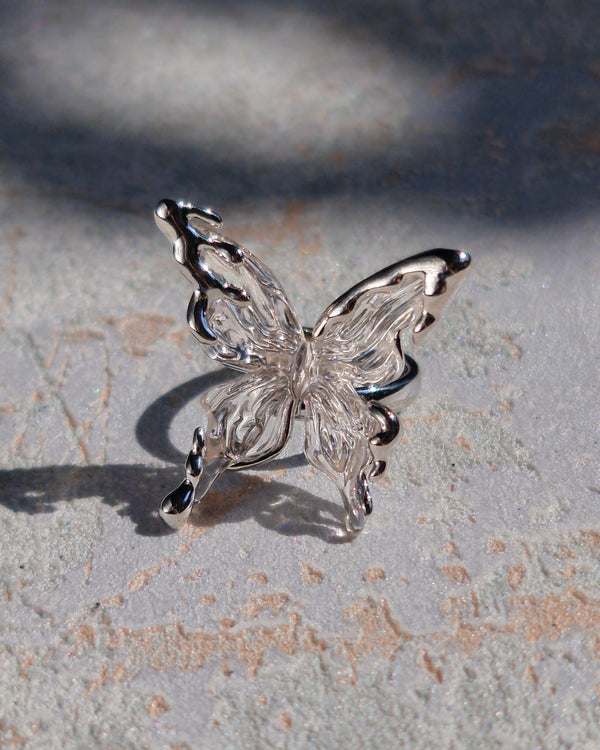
341 377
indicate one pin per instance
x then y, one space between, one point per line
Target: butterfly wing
356 343
239 310
249 418
248 421
240 313
362 328
339 427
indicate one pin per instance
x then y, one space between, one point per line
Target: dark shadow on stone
519 147
135 491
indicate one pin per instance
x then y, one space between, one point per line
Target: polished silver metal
346 378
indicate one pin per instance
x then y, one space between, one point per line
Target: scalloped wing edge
443 271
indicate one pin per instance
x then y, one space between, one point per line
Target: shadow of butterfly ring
345 378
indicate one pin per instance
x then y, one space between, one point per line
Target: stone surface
334 139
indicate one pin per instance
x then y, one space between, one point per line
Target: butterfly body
332 376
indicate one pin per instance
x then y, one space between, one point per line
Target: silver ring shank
395 395
399 393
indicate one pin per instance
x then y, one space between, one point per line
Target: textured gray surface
334 140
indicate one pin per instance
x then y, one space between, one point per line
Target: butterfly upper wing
362 327
242 316
239 310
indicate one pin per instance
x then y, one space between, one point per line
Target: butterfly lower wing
249 418
362 328
239 310
248 421
341 432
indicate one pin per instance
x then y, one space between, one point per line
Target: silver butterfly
244 319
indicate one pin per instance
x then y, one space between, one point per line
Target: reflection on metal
345 378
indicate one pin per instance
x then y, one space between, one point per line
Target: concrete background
335 139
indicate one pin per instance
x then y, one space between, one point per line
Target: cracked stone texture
335 138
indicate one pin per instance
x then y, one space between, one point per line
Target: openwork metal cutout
341 377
